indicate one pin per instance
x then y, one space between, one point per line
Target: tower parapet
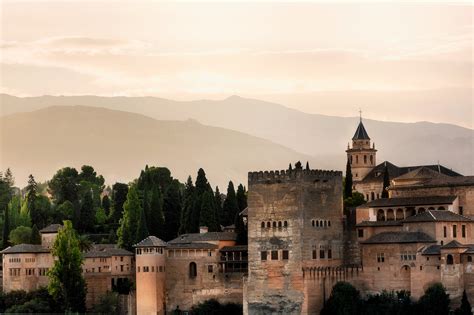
272 177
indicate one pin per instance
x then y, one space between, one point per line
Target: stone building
105 268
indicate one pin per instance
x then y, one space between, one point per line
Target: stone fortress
300 243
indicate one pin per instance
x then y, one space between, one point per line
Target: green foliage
127 231
435 301
389 303
84 242
119 196
87 214
106 205
66 283
64 211
465 308
172 211
189 196
6 229
344 300
356 200
208 212
64 186
41 213
155 217
108 304
241 197
38 301
100 217
213 307
241 230
348 181
231 206
35 235
142 230
386 182
20 235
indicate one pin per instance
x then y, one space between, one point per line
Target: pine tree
231 207
35 235
172 211
8 177
142 231
155 217
386 182
31 191
87 214
298 165
208 212
348 181
66 282
307 165
241 197
6 229
106 205
127 231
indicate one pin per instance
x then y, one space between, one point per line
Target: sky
403 62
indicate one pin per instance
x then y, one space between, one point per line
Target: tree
188 203
35 235
119 196
202 185
66 283
106 205
435 301
386 182
31 191
64 186
40 212
20 235
241 197
8 177
142 230
87 214
108 304
127 232
298 166
6 229
307 165
465 308
356 200
154 216
208 212
290 168
348 180
344 300
100 217
172 211
64 211
241 230
230 207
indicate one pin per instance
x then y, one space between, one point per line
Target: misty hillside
324 137
119 144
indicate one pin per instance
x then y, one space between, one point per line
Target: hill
324 137
119 144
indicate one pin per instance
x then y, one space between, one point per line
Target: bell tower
361 155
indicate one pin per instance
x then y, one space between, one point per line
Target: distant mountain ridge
323 137
119 144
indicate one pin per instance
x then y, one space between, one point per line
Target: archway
380 215
390 215
405 278
449 259
399 214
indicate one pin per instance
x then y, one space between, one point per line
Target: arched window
321 223
441 208
357 159
312 223
263 225
469 258
449 259
269 225
390 215
367 197
192 270
317 223
421 210
285 223
279 224
431 208
329 223
399 214
274 224
324 222
372 195
380 215
365 159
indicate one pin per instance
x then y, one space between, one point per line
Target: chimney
203 229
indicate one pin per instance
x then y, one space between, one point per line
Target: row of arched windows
400 214
274 224
371 158
320 223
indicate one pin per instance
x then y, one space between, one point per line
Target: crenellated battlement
271 177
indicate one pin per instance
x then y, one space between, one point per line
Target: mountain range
227 137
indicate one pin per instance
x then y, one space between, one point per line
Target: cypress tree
348 181
290 168
307 165
202 185
155 218
172 211
241 197
241 230
127 231
87 214
119 196
386 182
208 212
465 308
188 202
231 207
6 229
35 235
106 205
31 190
142 230
218 205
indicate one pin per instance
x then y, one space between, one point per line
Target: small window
269 225
210 268
285 255
449 260
321 254
317 223
463 231
455 230
445 232
280 224
380 257
329 254
312 223
360 232
274 224
274 255
263 225
421 267
469 258
329 223
314 254
263 255
192 270
285 223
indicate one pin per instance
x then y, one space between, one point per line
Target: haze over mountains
120 143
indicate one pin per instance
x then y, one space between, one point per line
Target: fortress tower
361 155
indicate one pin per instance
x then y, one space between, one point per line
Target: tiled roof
361 133
410 201
422 173
441 182
454 244
25 248
192 246
151 241
379 223
237 248
204 237
399 237
470 250
437 215
432 250
52 228
99 251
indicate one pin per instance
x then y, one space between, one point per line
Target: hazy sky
405 62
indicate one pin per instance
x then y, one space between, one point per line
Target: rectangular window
455 232
121 267
161 268
321 254
210 268
314 254
445 233
463 231
329 254
274 255
380 257
285 255
263 255
360 232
